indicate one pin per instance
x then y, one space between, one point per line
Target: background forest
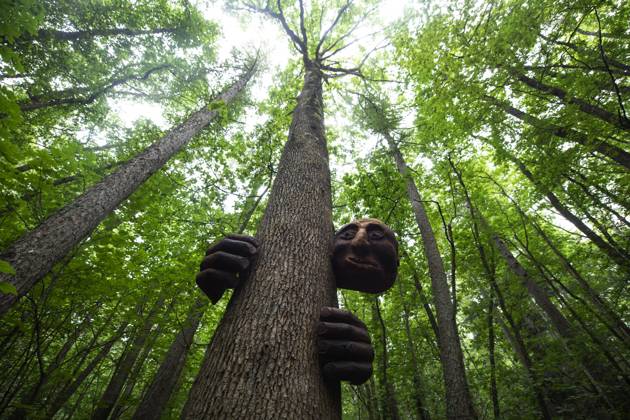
492 136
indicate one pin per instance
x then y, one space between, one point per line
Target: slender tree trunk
35 253
130 384
609 150
614 254
263 362
33 394
44 34
125 364
64 395
420 290
597 201
458 401
390 404
493 375
422 413
515 339
167 376
82 96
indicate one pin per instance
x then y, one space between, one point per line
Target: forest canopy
492 136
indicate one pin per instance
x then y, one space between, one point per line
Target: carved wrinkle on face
365 256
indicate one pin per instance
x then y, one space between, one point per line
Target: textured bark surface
167 376
262 362
35 253
458 402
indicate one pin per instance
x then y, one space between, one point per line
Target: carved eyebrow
346 228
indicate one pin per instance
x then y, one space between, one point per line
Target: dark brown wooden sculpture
364 258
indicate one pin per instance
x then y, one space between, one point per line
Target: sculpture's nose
360 242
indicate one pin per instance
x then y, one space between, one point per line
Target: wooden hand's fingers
244 238
225 261
354 372
214 283
340 330
331 314
345 350
243 247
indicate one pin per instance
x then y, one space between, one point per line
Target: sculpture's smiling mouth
362 262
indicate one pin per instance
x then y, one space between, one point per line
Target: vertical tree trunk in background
420 290
390 404
263 362
458 401
130 384
66 392
516 339
167 376
422 413
125 364
493 371
36 252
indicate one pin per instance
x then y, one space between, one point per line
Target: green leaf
5 267
7 288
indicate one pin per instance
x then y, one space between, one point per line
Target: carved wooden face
365 256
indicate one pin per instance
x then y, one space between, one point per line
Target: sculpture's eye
347 234
376 234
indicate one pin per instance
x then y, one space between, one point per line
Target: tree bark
35 253
263 362
167 376
125 364
458 401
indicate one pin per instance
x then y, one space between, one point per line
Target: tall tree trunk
125 364
390 404
66 392
167 376
422 413
493 371
458 401
263 361
35 253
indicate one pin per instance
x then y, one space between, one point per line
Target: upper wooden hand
225 265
